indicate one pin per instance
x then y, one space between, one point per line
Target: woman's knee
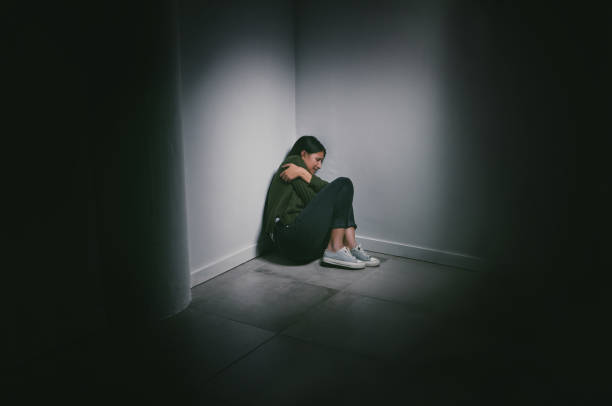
344 181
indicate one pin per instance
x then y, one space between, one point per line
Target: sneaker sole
370 263
351 265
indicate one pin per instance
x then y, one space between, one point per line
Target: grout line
409 305
408 259
299 316
382 360
302 315
276 334
219 372
211 313
287 277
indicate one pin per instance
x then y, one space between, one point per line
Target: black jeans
307 238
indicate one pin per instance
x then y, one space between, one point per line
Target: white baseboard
228 262
224 264
422 253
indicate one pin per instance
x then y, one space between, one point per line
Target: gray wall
430 108
238 122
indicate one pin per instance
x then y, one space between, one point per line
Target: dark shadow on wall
97 205
264 243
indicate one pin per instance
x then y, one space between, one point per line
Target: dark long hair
307 143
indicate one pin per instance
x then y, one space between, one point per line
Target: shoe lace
347 252
360 249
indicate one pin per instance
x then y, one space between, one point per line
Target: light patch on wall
371 93
239 119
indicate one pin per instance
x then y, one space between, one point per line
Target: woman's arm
300 172
293 172
298 177
302 189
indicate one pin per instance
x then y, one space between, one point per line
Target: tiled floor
272 333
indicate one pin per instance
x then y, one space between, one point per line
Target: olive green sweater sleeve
306 191
317 183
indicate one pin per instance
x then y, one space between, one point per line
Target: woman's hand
292 172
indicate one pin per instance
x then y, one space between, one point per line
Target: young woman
307 217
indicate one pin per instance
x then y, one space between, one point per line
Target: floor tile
287 371
256 298
314 273
365 325
433 286
193 346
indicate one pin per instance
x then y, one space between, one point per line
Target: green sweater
287 199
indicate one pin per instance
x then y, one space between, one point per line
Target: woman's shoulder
293 159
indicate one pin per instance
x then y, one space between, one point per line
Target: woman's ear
303 154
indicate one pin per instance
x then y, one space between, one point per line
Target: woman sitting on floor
307 217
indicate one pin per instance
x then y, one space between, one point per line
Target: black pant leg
307 237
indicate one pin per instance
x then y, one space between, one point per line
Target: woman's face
313 161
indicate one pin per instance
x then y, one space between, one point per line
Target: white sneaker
342 258
361 255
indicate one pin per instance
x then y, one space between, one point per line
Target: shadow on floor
271 333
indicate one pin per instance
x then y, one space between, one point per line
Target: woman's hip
298 244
